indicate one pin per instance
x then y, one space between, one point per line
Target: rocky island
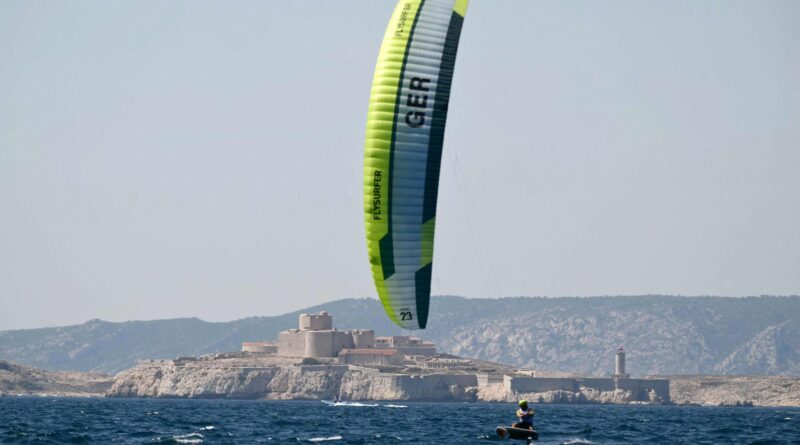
317 361
21 380
735 390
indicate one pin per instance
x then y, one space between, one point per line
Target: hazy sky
164 159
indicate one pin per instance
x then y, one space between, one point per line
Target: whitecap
207 428
324 439
395 406
577 442
189 438
380 436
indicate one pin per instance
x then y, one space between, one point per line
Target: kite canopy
403 151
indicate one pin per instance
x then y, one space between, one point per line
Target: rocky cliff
278 382
24 380
735 390
286 381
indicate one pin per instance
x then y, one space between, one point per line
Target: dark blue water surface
137 421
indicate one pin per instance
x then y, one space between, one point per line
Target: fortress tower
316 322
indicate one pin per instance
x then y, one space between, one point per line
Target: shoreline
381 403
245 376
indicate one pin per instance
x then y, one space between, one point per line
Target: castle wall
661 387
259 346
338 369
321 343
445 363
376 359
317 338
455 379
435 386
341 340
632 385
400 341
424 351
292 343
363 338
539 384
642 387
489 379
603 384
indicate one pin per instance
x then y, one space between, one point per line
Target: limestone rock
735 390
18 379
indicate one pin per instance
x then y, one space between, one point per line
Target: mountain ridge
663 334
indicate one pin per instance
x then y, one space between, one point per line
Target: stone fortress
316 338
317 361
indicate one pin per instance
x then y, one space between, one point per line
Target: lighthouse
619 369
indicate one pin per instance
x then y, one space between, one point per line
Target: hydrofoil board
509 432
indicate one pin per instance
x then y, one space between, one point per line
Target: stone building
445 363
641 389
371 357
316 337
260 346
406 345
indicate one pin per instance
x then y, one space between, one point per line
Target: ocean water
150 421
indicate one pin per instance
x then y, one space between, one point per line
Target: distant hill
663 335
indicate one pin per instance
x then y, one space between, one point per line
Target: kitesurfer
525 416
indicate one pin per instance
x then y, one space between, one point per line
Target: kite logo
401 24
416 119
376 196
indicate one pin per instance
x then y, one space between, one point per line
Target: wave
182 438
324 439
330 403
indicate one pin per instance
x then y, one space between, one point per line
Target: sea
45 420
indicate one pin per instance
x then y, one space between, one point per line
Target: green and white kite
403 151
